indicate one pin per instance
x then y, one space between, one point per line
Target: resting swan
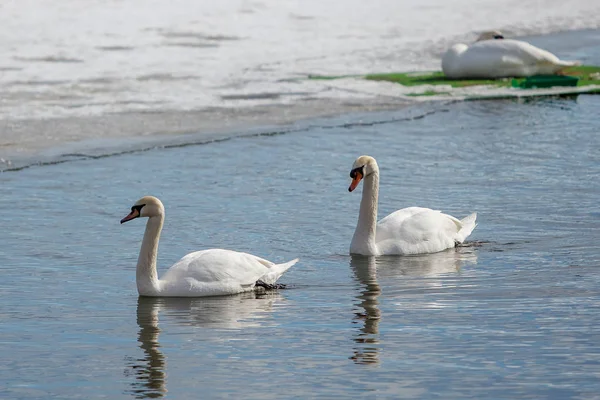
492 56
210 272
412 230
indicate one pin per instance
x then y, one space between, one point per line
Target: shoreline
35 141
31 142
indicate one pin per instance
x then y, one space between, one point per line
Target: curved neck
146 275
363 241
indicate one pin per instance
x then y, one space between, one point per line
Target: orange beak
132 215
355 181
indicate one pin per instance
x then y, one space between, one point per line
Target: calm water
513 315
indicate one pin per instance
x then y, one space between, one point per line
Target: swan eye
498 37
356 171
137 208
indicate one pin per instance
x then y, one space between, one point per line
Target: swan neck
146 274
367 217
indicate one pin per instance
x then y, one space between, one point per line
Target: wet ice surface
91 58
75 130
512 315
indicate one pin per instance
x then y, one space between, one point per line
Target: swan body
212 272
412 230
492 56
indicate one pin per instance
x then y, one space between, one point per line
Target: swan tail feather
276 271
468 224
563 63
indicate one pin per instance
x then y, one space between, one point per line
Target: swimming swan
492 56
210 272
412 230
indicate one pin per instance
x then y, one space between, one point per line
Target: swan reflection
227 312
368 314
148 371
391 270
426 265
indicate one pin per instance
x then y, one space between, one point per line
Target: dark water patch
99 81
50 59
8 69
31 94
116 48
193 39
164 77
198 35
252 96
205 45
39 83
123 102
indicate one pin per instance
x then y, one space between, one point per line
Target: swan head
147 206
363 167
490 35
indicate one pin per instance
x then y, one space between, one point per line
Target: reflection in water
227 312
427 265
366 269
149 371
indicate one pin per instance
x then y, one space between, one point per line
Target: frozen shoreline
27 141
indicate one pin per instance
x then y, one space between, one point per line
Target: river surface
512 314
78 71
205 105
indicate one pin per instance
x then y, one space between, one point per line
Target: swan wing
218 265
509 57
510 49
491 58
417 230
499 59
389 226
481 60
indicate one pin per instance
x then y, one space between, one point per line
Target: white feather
412 230
500 58
212 272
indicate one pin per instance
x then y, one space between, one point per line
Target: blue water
514 314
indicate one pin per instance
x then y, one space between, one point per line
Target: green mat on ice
578 79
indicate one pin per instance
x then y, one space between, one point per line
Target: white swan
210 272
492 56
412 230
